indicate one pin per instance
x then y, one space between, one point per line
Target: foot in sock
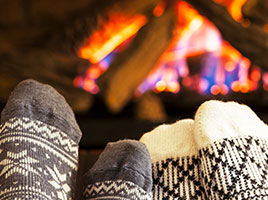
38 144
123 171
233 145
175 162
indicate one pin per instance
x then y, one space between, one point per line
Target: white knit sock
233 145
175 162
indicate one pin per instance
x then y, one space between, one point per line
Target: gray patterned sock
38 144
123 171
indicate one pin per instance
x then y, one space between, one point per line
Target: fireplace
137 63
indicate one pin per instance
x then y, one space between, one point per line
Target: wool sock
123 171
38 144
233 145
174 161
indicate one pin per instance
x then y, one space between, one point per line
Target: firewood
256 11
150 107
251 41
48 67
131 67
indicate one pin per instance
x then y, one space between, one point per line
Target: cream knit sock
175 162
233 145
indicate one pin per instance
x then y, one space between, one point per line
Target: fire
234 7
224 69
118 29
104 44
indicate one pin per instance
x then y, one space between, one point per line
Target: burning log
256 11
251 41
48 67
73 35
150 107
131 67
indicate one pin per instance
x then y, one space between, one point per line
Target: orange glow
160 8
187 81
265 27
229 66
89 85
215 90
231 52
224 89
189 19
265 87
234 7
160 86
236 87
245 88
255 74
94 72
173 87
117 30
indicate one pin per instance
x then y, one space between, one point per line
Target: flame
118 29
234 7
103 45
160 8
224 67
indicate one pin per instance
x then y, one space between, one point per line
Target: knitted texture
232 143
235 168
175 161
38 160
123 171
177 178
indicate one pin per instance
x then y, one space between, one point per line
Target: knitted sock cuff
235 168
116 189
123 170
177 178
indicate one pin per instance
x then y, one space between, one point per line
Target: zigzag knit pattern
235 168
42 165
177 179
118 189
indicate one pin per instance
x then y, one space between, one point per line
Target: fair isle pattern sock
38 145
123 171
233 145
175 162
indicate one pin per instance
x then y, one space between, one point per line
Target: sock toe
171 141
215 120
41 102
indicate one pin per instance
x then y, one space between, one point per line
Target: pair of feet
39 139
222 154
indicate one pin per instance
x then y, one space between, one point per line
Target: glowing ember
265 81
160 8
118 29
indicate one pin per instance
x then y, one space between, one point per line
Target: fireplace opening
197 58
